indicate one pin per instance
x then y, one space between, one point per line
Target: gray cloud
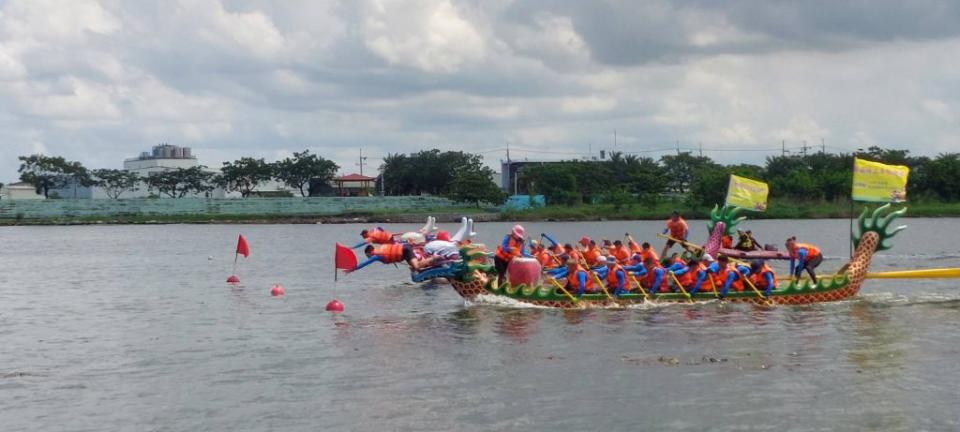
99 81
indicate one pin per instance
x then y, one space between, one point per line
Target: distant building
19 191
354 185
510 171
163 157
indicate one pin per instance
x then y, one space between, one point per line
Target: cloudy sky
100 81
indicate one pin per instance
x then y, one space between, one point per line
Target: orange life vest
726 242
678 229
721 279
379 236
690 277
620 253
760 281
812 251
390 253
515 248
591 255
574 282
648 280
612 277
546 260
649 253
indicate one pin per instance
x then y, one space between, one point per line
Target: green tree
681 169
177 183
46 173
474 184
115 182
243 175
304 170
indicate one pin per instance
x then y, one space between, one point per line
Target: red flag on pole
345 259
242 247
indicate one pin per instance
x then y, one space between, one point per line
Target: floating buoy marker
233 279
277 290
335 306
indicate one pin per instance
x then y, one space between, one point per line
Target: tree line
306 172
456 175
624 179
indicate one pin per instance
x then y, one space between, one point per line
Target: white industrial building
20 191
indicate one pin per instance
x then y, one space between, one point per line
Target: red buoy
335 306
276 291
233 279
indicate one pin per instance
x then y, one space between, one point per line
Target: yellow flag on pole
747 193
877 182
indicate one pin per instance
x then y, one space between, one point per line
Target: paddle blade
344 258
940 273
242 247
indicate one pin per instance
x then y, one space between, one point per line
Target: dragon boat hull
477 279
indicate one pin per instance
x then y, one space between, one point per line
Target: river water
133 328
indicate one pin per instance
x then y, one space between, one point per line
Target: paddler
688 274
677 228
543 256
803 256
763 277
655 280
512 246
577 278
592 254
388 254
728 275
619 252
616 277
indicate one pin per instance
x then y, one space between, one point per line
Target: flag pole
236 255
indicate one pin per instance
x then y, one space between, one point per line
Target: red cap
443 235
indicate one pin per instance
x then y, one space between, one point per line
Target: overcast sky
100 81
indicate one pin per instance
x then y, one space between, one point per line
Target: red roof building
354 185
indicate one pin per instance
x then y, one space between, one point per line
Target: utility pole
823 146
783 147
701 148
362 159
614 140
803 149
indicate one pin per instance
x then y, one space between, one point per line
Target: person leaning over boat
375 236
803 256
388 254
677 228
763 276
511 247
437 252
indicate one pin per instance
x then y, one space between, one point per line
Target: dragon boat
475 276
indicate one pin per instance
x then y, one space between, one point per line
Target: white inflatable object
430 226
462 232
